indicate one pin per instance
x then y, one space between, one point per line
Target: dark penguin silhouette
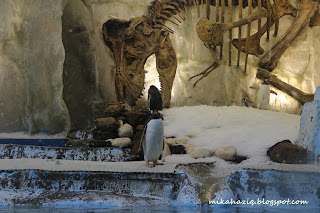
154 99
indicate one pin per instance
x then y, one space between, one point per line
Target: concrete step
107 154
40 182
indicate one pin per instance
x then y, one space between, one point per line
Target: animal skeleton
133 41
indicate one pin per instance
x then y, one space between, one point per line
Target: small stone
228 153
240 158
199 153
170 141
178 149
125 130
121 142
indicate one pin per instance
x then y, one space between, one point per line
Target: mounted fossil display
133 41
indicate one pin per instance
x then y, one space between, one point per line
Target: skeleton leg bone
207 71
306 10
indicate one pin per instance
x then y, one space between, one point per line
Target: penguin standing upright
153 139
264 96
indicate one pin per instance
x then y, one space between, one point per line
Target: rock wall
31 66
79 77
57 74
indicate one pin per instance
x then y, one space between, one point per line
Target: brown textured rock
136 151
135 118
286 152
108 124
114 110
104 135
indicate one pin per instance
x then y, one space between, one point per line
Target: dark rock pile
119 128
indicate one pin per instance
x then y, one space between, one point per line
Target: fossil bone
254 48
230 31
207 71
212 33
315 20
306 10
239 31
248 35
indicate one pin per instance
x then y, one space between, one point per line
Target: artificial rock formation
309 137
31 67
55 66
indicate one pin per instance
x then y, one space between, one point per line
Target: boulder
121 142
286 152
108 124
114 110
125 130
228 153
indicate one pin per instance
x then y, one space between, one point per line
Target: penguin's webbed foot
157 163
150 165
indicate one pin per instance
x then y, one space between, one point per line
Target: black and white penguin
154 99
153 139
264 96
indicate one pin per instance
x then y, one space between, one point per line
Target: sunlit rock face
56 73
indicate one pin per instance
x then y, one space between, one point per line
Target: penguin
154 99
264 96
152 143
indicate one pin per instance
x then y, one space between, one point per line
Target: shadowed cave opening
79 78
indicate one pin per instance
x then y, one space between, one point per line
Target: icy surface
250 130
